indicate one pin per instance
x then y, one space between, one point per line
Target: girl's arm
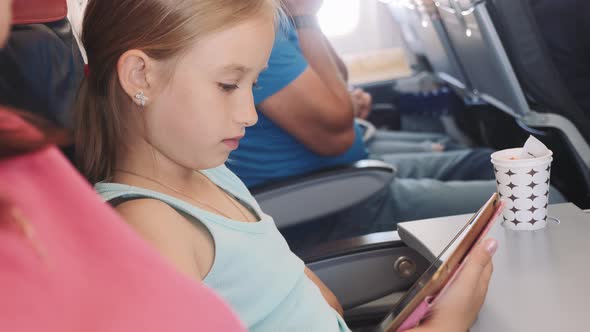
326 292
188 248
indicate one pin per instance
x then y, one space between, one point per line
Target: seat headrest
38 11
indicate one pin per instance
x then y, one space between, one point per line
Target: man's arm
315 107
339 62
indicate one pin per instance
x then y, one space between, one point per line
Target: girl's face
199 116
5 19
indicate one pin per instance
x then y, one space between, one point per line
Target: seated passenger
162 107
307 115
306 124
564 26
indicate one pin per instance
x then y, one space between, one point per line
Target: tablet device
415 304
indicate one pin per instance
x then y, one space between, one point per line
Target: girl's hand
458 306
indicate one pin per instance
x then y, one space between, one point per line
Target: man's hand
303 7
362 102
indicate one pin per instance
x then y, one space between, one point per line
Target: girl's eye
255 86
228 87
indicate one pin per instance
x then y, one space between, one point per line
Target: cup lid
508 156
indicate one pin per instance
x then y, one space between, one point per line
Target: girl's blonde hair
163 29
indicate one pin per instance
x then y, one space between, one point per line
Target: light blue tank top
254 270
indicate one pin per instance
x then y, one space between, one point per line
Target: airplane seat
413 45
420 21
545 88
425 22
41 64
526 47
501 51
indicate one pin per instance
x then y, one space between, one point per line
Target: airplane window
339 17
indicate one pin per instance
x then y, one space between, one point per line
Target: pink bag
69 263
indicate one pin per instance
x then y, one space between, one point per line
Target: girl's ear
133 69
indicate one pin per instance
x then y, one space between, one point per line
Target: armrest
298 200
367 268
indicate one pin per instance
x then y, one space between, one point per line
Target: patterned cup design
526 193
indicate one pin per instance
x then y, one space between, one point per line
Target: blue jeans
386 142
427 185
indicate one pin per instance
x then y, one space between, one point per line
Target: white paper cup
524 185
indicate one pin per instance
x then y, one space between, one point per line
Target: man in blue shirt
271 150
306 116
306 123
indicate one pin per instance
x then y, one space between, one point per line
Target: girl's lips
232 143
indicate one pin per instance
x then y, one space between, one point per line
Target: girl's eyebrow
237 67
240 68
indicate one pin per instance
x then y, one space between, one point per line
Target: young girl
168 97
